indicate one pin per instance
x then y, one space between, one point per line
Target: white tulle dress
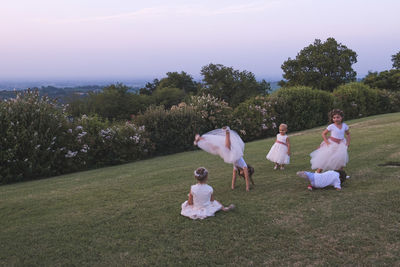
278 152
202 206
214 142
333 156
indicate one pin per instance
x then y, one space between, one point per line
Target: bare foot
196 139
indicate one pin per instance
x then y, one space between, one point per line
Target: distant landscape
63 89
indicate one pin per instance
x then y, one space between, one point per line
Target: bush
38 140
214 112
255 118
96 142
301 107
32 137
357 100
171 130
389 101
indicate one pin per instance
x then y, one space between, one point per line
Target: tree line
320 65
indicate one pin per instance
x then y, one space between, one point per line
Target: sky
129 39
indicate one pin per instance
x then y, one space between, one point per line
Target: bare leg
246 177
233 178
282 166
228 139
230 207
318 170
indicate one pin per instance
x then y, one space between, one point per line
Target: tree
179 80
388 79
320 65
168 96
149 88
396 61
231 85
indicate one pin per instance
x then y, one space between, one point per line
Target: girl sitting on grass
201 203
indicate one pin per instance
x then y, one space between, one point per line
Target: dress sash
279 142
336 140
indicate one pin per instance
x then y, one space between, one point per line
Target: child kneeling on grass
201 203
321 180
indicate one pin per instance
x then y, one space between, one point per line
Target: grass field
129 215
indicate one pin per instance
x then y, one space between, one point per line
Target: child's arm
347 137
324 136
190 200
228 139
288 146
212 197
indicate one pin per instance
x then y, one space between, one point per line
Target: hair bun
200 173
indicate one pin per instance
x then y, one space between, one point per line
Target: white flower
37 147
85 148
71 154
79 127
135 138
82 134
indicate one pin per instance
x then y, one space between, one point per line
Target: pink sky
134 39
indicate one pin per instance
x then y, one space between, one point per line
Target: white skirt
278 154
214 143
330 157
200 212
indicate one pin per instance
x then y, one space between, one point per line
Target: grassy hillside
130 214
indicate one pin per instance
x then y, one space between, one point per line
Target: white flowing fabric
278 152
332 157
202 206
214 143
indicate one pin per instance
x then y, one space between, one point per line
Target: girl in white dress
280 150
332 153
229 146
325 179
201 203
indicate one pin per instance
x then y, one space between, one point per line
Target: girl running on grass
332 153
280 150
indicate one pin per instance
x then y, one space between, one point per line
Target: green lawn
130 214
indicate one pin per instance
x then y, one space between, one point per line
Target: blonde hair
283 125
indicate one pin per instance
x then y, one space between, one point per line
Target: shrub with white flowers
215 112
255 118
32 136
38 140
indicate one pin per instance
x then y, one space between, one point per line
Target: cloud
162 11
